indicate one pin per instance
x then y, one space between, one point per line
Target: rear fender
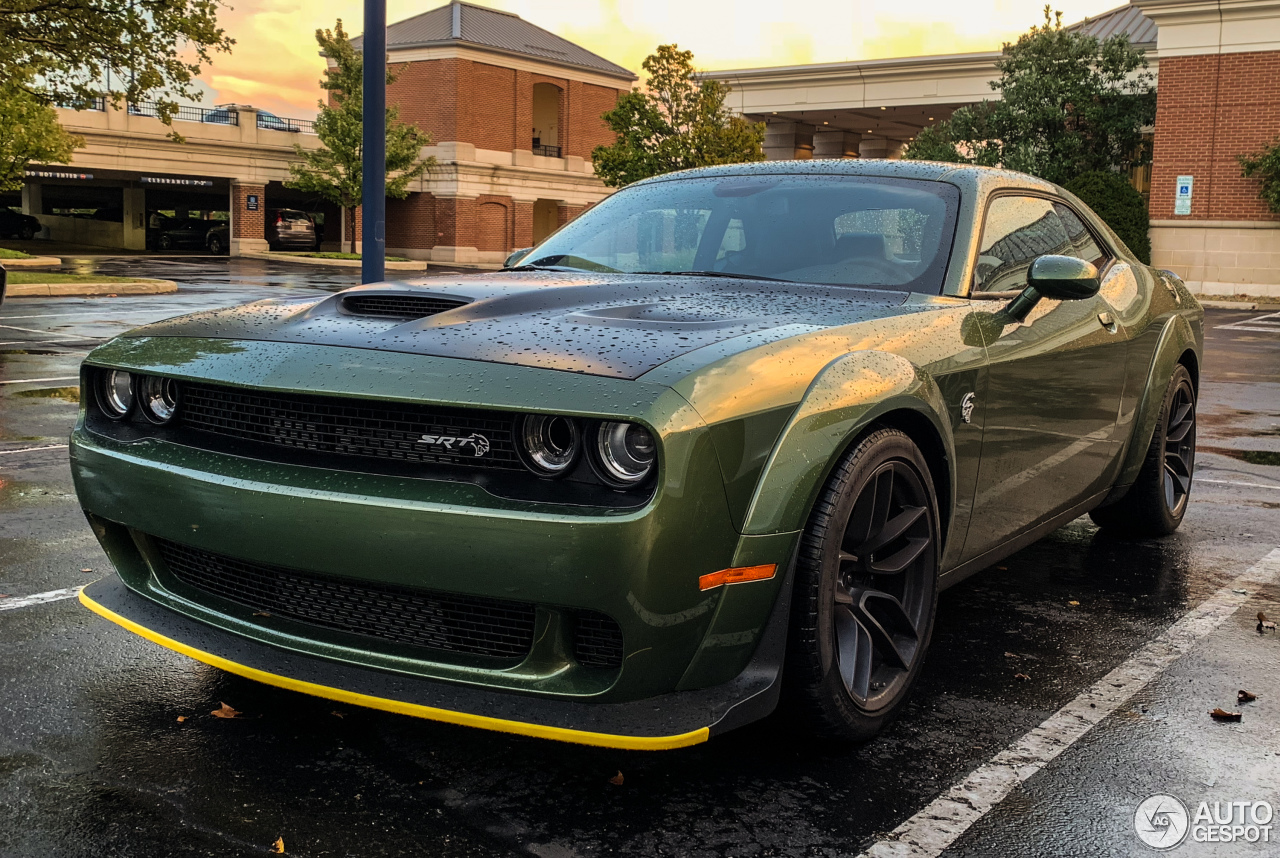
848 395
1176 338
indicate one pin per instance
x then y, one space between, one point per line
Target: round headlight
115 393
550 443
159 398
626 452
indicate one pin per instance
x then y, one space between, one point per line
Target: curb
1250 304
33 262
411 265
57 290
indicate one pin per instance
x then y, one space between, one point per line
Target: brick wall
426 92
568 213
596 100
493 224
249 224
1211 109
411 222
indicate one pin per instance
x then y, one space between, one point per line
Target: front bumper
665 722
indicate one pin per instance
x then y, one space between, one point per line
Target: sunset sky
275 65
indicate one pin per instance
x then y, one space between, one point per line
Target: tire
27 233
165 243
215 245
859 631
1157 501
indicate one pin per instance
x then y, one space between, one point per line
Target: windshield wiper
717 274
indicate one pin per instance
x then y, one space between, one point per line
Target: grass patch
48 277
1260 457
6 253
329 254
66 394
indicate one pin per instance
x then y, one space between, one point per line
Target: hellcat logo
478 443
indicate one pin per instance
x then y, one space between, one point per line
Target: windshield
836 230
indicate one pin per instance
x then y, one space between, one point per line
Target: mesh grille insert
354 427
461 624
597 640
398 306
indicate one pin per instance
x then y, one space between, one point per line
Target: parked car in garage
17 225
219 238
728 427
181 233
291 229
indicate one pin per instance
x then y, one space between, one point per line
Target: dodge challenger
713 446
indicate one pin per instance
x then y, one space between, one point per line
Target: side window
1017 230
1083 244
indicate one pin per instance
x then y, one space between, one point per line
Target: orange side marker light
737 575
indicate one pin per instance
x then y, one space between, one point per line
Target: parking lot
108 747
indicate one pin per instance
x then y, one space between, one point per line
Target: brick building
514 112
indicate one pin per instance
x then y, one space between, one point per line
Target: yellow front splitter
107 598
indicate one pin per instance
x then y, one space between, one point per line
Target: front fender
848 395
1176 338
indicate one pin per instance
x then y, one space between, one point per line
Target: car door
1054 380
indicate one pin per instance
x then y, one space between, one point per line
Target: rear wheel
215 244
28 232
1157 501
866 589
165 243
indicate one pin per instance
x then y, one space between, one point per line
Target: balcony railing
211 115
547 151
272 122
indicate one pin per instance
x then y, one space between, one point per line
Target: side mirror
515 257
1062 278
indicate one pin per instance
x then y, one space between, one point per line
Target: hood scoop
398 305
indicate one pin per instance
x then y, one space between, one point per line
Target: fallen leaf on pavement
87 571
1265 625
1011 655
261 614
1003 568
278 846
1224 715
1243 696
616 780
182 718
336 714
225 711
1073 603
1021 677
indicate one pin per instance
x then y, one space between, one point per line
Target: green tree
65 51
1265 167
1070 103
335 172
1114 199
675 123
29 133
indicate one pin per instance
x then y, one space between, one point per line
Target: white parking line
34 380
34 449
1268 324
40 598
1237 483
937 826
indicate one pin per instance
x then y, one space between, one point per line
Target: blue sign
251 202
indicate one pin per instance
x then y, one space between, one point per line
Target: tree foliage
1070 104
1265 167
64 51
335 172
1114 199
29 133
675 123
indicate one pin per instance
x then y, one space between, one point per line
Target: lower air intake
597 641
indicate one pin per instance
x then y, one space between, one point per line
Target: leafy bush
1119 204
1265 167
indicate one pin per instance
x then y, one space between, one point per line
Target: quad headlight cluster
119 392
621 454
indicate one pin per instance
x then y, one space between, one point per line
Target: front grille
353 427
460 624
398 306
597 641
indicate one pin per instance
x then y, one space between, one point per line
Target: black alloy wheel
1157 501
215 244
165 243
867 584
28 232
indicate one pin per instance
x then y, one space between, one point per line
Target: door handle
1108 322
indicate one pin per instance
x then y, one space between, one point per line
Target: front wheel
215 245
866 589
27 233
1157 501
165 243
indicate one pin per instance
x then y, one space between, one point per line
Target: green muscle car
717 443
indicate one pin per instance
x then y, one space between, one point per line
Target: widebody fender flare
1176 338
849 394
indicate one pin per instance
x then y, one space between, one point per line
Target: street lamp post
374 143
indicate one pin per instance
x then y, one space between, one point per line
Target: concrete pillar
880 147
135 218
455 230
787 141
32 198
836 144
248 216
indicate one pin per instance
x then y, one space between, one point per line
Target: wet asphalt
95 762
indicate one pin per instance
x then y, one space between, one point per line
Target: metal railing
547 151
279 123
211 115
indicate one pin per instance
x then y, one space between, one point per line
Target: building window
546 119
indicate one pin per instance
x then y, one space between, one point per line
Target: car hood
619 326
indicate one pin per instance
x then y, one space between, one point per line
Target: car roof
966 176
